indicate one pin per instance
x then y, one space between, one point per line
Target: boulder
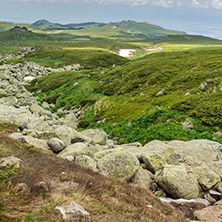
56 145
216 166
206 177
73 212
97 135
76 149
211 214
103 153
10 100
154 161
36 142
143 178
11 160
86 161
176 181
71 120
69 135
121 165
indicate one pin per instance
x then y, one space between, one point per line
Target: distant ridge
131 26
46 24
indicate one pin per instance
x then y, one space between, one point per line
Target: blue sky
192 16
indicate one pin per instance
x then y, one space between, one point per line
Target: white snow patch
29 78
126 52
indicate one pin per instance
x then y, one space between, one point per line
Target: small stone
73 212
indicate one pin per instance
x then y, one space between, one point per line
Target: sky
192 16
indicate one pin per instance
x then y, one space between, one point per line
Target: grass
124 93
88 58
103 198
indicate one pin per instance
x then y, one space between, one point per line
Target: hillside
144 28
121 136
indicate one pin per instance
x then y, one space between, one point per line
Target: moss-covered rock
206 177
97 135
143 178
154 161
69 135
86 161
216 166
176 181
76 149
103 153
121 165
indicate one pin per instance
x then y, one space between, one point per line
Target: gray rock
76 149
101 154
71 120
187 125
86 161
97 135
73 212
176 181
143 178
11 160
181 201
120 164
211 214
56 145
36 142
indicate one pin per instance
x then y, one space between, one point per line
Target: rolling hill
131 26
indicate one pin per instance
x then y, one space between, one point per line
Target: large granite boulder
143 178
121 165
206 177
86 161
76 149
97 135
69 135
176 181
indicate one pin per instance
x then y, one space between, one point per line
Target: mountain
49 25
145 28
137 28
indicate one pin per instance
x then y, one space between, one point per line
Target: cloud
217 4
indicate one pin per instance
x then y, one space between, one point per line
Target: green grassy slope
88 58
178 73
186 39
124 93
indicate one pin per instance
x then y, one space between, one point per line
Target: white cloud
217 4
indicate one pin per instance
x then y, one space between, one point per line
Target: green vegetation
88 58
66 89
161 124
